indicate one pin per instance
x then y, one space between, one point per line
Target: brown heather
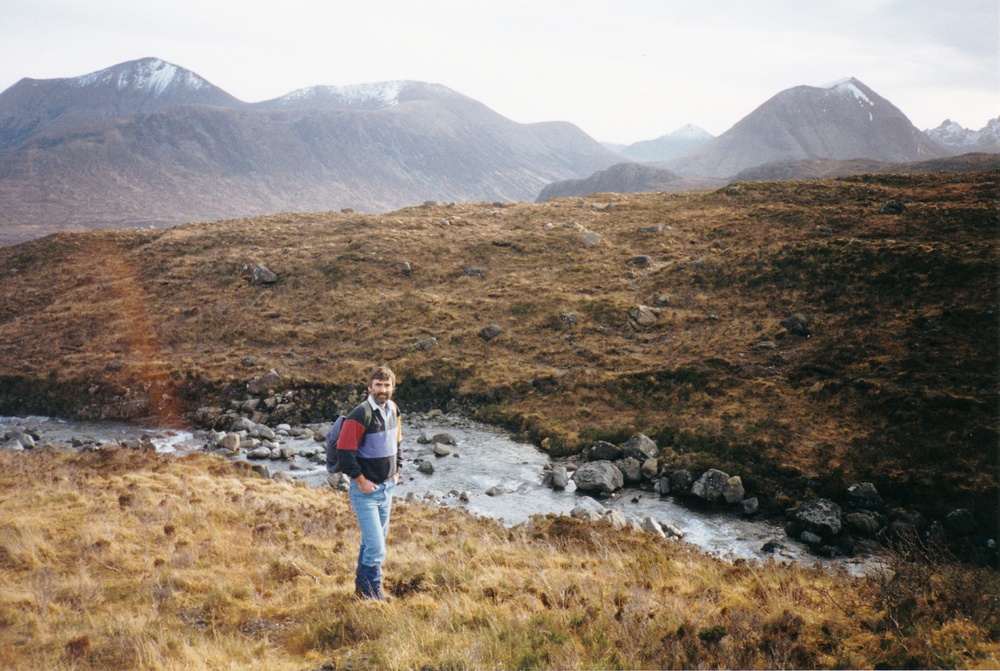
896 385
125 559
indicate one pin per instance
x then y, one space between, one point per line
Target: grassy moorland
124 559
893 380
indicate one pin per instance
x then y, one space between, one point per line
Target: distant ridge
841 121
681 141
625 178
959 140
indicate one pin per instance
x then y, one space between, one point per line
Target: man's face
381 390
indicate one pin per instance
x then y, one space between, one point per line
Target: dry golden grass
123 559
897 384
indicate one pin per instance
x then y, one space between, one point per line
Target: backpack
332 460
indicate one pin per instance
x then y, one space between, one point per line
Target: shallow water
484 458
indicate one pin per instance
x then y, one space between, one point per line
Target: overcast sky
622 70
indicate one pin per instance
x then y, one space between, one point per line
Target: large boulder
711 485
598 476
604 451
820 516
640 448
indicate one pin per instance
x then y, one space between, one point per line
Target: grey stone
604 451
490 332
820 516
599 476
734 492
560 477
640 447
710 485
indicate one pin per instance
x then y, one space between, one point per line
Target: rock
339 481
496 490
640 448
892 207
662 486
959 523
590 238
445 439
862 523
681 482
261 384
426 467
820 516
14 446
649 468
863 496
425 344
642 261
560 477
710 485
587 503
642 316
765 344
570 319
631 469
490 332
259 453
604 451
441 450
661 300
473 271
810 538
262 470
615 518
405 268
243 424
797 324
653 527
733 492
465 497
262 275
655 228
282 476
230 441
748 507
599 476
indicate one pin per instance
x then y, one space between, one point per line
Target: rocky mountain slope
803 334
959 140
845 120
150 143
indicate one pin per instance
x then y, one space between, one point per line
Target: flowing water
484 459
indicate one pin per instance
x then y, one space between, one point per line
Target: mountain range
148 142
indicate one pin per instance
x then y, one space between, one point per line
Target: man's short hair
382 373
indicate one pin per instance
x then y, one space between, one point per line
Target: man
367 451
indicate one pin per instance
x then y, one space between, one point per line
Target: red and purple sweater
370 450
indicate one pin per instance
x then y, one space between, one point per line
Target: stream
484 459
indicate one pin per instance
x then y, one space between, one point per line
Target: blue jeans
373 512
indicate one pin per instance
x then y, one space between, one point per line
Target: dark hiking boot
368 585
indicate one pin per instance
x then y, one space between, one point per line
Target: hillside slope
791 331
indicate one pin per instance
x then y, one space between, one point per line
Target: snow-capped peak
150 75
690 131
382 94
849 87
